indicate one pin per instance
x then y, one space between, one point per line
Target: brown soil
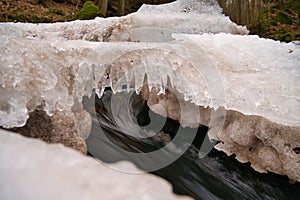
36 12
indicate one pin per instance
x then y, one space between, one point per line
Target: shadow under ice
216 176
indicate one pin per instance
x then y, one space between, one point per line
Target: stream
215 176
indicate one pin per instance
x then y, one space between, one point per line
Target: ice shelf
244 73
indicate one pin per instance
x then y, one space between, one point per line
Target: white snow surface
32 170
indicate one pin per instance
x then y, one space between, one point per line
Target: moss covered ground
46 11
278 20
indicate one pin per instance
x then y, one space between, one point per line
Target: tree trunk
102 5
121 7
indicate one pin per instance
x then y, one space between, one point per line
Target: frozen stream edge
50 67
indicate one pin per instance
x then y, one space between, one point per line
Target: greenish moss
21 18
57 11
88 11
273 23
278 22
296 35
287 37
35 19
3 18
264 15
282 17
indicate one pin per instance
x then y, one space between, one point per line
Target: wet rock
70 129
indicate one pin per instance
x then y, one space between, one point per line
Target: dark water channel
216 176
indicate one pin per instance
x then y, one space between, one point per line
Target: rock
59 128
266 145
32 169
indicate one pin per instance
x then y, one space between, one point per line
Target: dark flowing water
214 177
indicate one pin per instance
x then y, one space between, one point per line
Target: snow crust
192 16
260 76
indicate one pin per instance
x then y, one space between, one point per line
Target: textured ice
192 16
259 76
38 69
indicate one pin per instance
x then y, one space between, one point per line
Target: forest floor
35 12
46 11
